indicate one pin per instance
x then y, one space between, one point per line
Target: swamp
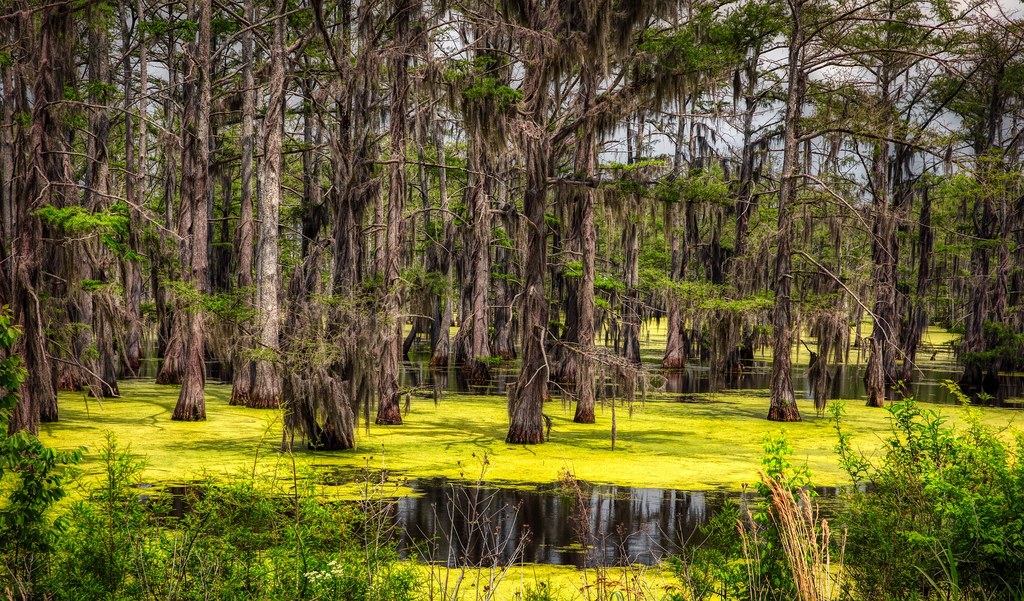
525 300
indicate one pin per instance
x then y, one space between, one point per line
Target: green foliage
98 551
219 26
573 269
480 84
92 285
942 511
491 88
634 179
700 186
700 47
752 25
541 592
434 282
100 91
12 374
746 305
231 306
715 569
242 537
852 462
491 361
1004 349
608 283
32 479
741 556
111 225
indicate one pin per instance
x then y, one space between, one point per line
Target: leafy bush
238 538
742 555
942 510
32 478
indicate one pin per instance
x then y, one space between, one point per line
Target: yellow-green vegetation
936 349
713 442
565 583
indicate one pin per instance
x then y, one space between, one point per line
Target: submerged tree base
330 439
584 415
190 413
525 435
168 377
389 413
475 371
786 412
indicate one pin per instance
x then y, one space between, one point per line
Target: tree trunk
191 405
783 403
242 366
507 256
479 273
172 324
103 379
131 356
631 303
675 351
585 375
388 410
526 396
266 386
885 245
44 166
441 327
918 312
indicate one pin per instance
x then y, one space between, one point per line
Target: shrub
32 478
742 554
942 510
242 537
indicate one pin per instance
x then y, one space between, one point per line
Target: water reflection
848 382
454 524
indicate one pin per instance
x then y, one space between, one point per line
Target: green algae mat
712 443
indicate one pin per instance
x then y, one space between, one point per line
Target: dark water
456 524
848 382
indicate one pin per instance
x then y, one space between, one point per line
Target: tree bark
526 396
585 163
918 311
242 366
479 273
441 327
507 255
783 403
191 405
171 326
881 372
44 172
98 258
388 410
675 351
266 385
631 302
131 360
